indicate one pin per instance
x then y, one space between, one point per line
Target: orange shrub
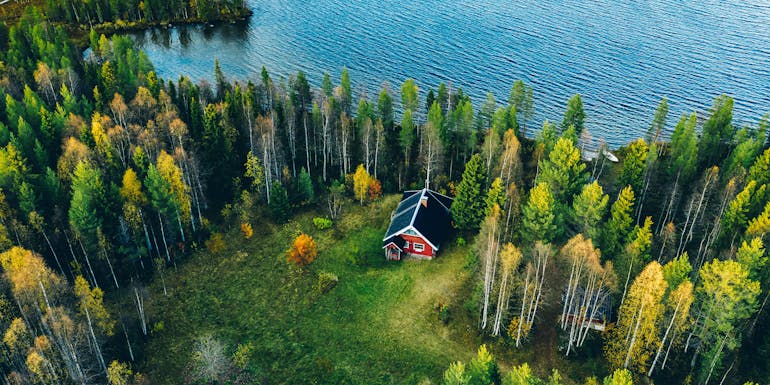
303 251
247 230
375 189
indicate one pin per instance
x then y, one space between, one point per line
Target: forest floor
379 325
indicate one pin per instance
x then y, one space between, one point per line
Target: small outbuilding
593 312
418 226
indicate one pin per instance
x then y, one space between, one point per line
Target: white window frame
406 244
419 247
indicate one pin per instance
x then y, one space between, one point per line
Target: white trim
414 215
394 244
421 248
424 238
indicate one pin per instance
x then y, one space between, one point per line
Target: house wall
412 239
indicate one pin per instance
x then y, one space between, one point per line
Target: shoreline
79 32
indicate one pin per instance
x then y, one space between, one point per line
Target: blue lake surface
622 56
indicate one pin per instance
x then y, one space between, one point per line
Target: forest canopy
109 175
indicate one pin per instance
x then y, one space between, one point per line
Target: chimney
424 201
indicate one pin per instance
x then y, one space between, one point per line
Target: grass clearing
379 325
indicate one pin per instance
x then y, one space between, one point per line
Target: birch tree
726 296
586 289
677 315
432 151
531 291
487 248
510 159
510 257
632 342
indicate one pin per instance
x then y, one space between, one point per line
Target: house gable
423 214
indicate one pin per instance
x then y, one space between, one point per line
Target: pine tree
87 192
677 270
634 165
637 253
759 226
588 209
409 99
735 219
658 122
520 375
574 116
456 374
522 102
760 169
563 171
619 225
482 369
539 217
717 133
682 163
279 206
468 208
751 254
495 196
305 187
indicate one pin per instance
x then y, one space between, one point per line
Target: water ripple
622 55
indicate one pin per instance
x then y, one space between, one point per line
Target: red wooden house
418 226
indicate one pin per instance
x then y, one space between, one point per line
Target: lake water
622 56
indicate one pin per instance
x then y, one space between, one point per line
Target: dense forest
110 176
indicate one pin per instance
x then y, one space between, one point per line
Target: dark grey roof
396 240
432 221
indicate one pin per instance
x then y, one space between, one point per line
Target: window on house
406 244
419 247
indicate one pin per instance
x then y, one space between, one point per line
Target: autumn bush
375 189
247 230
216 243
303 251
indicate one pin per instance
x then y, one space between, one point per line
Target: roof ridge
418 204
443 195
438 200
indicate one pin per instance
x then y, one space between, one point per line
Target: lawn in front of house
378 325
